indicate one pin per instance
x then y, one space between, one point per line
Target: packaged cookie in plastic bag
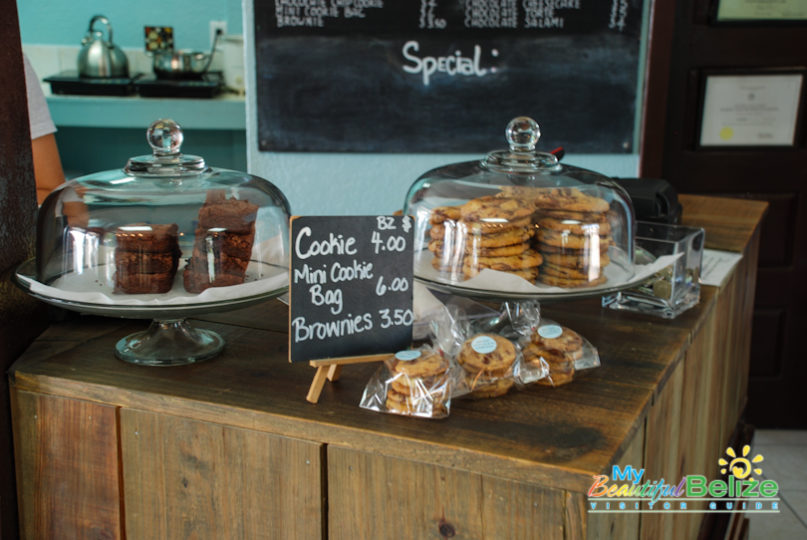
468 335
524 318
562 350
487 361
415 382
484 343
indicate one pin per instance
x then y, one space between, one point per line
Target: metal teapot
98 58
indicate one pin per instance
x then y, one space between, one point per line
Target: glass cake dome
163 238
518 223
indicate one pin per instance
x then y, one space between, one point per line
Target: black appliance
69 83
653 199
208 85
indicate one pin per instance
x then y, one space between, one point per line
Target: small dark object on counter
653 199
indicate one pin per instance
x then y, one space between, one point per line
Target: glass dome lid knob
165 137
522 134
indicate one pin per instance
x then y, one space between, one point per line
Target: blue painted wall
64 22
86 150
314 183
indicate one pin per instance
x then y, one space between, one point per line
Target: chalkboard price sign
351 286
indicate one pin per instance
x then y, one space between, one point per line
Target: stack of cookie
418 384
557 346
222 245
573 237
445 242
487 360
487 232
146 258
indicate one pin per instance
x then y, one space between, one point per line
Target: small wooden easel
330 368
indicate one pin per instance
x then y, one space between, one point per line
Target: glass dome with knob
519 224
163 238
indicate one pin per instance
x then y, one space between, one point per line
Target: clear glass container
518 223
673 289
163 238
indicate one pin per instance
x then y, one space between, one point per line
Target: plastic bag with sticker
562 350
488 362
479 372
484 342
524 318
414 382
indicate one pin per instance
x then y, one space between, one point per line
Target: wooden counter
231 449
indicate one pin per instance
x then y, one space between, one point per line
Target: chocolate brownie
233 215
147 237
211 269
196 281
215 263
220 241
146 258
133 262
143 283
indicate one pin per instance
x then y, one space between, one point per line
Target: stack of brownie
223 243
146 258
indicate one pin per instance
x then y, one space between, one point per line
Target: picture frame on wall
751 11
753 108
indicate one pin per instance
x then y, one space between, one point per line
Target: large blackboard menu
351 286
445 75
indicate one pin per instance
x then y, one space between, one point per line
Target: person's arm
47 165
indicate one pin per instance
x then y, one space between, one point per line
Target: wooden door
689 45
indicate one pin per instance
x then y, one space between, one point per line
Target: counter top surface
555 436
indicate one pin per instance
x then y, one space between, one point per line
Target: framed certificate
760 10
757 109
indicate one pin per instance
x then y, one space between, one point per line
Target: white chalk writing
452 65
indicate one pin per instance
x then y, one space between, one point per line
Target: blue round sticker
550 331
407 356
483 344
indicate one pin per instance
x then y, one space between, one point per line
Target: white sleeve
38 113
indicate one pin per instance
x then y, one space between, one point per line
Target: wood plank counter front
230 448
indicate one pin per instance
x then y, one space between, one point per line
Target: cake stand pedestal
171 342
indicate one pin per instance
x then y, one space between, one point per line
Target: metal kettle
98 58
